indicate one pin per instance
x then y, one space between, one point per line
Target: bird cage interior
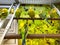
29 22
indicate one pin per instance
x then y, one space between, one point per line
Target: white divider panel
13 29
29 1
6 27
35 1
6 1
38 1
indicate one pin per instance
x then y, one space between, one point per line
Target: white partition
7 1
13 30
38 1
29 1
35 1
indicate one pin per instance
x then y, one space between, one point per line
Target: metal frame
32 36
36 18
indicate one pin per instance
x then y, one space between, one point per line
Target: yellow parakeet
31 12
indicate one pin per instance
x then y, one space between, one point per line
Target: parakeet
18 13
4 13
12 11
31 12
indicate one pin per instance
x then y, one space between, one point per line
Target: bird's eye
34 9
29 24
